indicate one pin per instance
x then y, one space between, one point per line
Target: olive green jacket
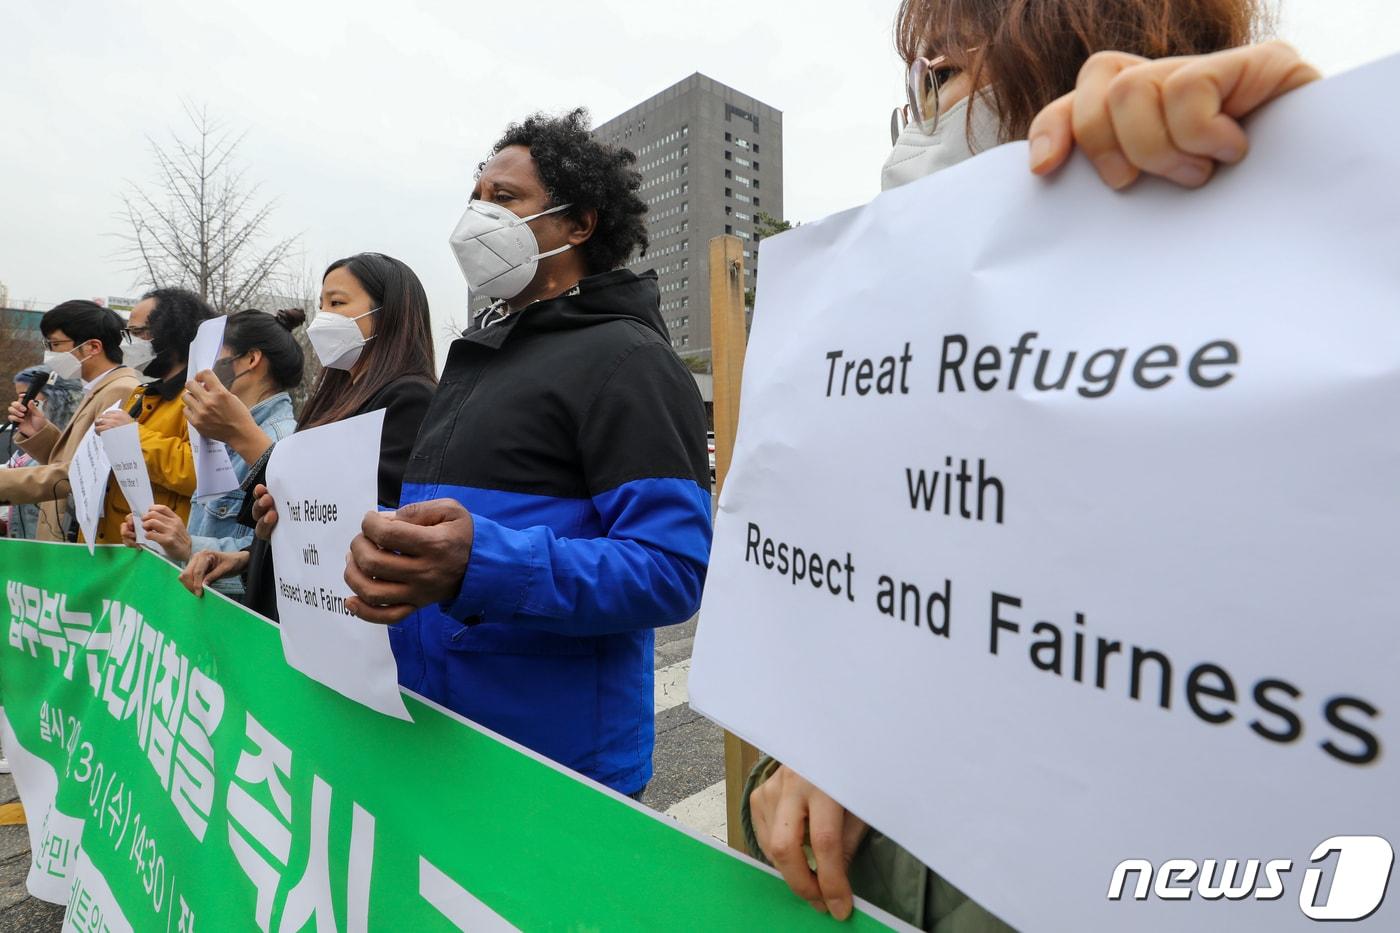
889 877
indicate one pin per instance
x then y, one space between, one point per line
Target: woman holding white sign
982 73
373 336
260 361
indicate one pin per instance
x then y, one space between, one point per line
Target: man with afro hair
556 507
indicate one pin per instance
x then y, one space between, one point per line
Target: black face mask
223 370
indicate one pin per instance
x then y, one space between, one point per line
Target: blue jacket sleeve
643 450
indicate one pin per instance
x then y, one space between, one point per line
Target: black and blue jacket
576 438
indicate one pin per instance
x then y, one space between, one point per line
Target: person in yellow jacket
83 341
161 327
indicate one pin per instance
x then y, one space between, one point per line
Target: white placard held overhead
123 448
324 480
1059 542
213 470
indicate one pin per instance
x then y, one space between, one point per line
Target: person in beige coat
84 341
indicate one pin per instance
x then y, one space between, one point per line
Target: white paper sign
214 474
1061 529
87 475
324 480
123 448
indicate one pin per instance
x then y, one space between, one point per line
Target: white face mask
497 250
64 364
138 353
917 154
337 339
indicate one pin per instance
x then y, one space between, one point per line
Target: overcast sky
366 119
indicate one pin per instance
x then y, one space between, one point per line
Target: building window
684 206
685 301
728 137
728 173
728 156
743 180
729 192
755 166
685 340
755 182
755 202
755 148
743 197
743 235
728 228
740 215
744 162
741 143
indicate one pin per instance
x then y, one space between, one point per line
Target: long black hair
402 344
258 330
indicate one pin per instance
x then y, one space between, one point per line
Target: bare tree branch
201 224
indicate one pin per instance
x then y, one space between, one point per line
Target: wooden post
728 341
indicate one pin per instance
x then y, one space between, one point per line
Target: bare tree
201 225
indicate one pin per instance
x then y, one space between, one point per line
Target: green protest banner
179 776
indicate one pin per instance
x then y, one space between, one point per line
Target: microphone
34 389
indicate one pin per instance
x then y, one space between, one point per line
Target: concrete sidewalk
19 913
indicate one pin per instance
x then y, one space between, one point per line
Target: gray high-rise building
711 160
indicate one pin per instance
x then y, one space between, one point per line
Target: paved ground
689 782
19 913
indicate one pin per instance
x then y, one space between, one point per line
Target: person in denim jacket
259 361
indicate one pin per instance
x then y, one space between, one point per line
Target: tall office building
711 159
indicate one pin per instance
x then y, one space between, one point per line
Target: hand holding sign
113 418
1173 117
168 530
408 559
264 512
220 415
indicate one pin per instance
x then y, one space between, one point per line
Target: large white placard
122 445
324 480
1061 528
213 470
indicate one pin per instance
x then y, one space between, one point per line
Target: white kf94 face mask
63 364
138 353
497 250
337 339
